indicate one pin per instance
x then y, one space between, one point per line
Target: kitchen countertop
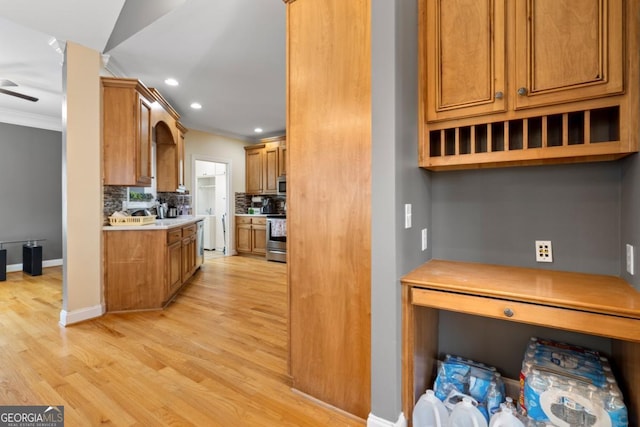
160 224
251 214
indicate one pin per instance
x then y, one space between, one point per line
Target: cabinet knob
522 91
508 312
499 95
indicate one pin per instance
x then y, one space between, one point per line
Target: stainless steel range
277 238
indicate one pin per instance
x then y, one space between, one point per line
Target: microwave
281 183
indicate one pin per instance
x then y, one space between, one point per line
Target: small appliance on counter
172 212
268 206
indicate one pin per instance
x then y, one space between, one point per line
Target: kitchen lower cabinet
189 252
145 269
174 260
567 302
251 235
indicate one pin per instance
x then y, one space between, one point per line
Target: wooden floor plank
217 356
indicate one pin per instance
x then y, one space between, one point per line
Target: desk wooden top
578 291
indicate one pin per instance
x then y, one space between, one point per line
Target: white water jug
430 411
505 418
464 414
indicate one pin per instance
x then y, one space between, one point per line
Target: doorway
211 187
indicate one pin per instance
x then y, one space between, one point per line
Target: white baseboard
70 317
48 263
374 421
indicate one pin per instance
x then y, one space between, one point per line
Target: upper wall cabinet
169 139
567 50
465 62
527 82
126 132
264 163
134 117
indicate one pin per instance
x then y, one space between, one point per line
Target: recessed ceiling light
171 82
196 106
258 130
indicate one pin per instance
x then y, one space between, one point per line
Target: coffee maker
268 206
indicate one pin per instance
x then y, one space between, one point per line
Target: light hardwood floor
215 357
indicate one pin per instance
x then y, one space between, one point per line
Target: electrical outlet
424 239
543 251
407 215
630 260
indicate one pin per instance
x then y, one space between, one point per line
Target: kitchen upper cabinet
169 138
567 50
264 163
181 132
465 58
270 168
254 163
282 159
126 132
527 82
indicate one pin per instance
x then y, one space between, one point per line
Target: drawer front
259 221
174 235
243 220
560 318
188 230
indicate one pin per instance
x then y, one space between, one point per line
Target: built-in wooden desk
586 303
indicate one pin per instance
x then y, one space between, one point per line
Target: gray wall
496 215
630 215
31 189
396 180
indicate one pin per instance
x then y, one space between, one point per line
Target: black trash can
32 259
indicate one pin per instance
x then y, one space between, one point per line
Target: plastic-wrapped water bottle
430 411
573 411
616 409
494 398
508 402
535 385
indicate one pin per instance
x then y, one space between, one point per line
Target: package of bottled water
566 385
459 378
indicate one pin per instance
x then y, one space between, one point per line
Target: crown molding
39 121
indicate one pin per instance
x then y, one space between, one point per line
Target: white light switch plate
407 215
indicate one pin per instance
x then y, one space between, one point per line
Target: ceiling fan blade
19 95
6 82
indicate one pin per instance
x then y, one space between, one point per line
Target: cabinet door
243 237
567 50
270 169
254 173
282 160
465 58
180 158
143 165
259 239
186 263
174 253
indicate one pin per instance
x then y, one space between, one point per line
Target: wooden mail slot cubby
567 135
